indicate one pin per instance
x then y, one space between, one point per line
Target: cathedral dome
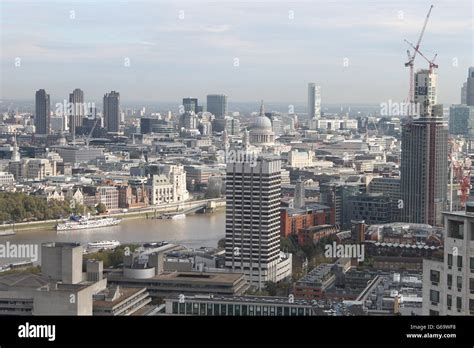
262 123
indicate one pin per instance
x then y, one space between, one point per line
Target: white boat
104 244
82 223
173 217
7 233
178 216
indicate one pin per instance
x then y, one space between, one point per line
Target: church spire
262 109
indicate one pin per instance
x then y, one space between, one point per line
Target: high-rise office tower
464 93
42 112
112 111
424 159
77 108
448 284
191 105
217 105
470 87
314 101
253 193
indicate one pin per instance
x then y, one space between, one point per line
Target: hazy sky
190 48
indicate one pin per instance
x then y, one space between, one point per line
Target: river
194 231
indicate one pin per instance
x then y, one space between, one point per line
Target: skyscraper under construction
424 158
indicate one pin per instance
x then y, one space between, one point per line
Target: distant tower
314 101
246 139
470 87
225 139
464 93
217 105
42 112
191 105
112 111
76 110
15 157
299 201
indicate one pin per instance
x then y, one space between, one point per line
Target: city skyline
190 53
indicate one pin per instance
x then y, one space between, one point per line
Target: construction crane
90 133
430 62
411 57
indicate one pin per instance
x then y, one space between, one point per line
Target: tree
221 243
271 288
101 208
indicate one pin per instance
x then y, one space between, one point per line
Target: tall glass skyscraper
217 105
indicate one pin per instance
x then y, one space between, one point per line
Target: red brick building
132 196
293 221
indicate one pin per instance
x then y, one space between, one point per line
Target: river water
194 231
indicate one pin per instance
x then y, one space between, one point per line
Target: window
189 308
230 309
181 308
471 263
459 282
434 276
237 310
432 312
456 229
450 280
216 309
244 309
450 260
434 296
459 261
252 310
471 284
459 303
471 306
209 309
449 300
175 307
202 309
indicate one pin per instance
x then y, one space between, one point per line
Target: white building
169 186
336 123
32 168
6 178
448 284
253 193
300 159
